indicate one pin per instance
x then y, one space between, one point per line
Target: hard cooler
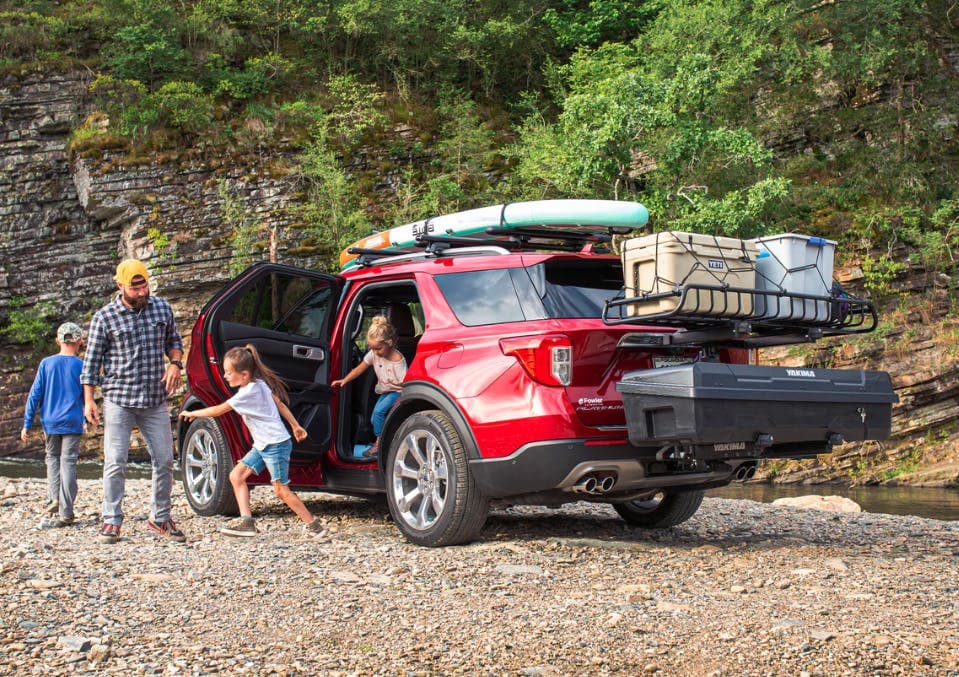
798 264
665 261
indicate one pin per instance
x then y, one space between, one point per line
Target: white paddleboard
585 215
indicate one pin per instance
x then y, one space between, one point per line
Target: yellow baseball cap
129 269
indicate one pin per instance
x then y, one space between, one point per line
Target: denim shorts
275 457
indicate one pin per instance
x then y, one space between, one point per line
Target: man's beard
136 302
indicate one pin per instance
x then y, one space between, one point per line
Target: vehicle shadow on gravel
596 525
610 531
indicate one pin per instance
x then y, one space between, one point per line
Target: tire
430 492
666 508
206 463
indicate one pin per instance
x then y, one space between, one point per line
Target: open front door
287 313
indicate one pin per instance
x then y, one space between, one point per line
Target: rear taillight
547 359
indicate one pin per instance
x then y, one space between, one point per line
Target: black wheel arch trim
422 395
182 425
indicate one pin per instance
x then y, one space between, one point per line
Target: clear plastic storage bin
794 264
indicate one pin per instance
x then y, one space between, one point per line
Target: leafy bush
181 105
29 326
145 53
25 35
355 108
258 76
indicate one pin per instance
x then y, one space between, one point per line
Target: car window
287 303
576 288
482 297
554 289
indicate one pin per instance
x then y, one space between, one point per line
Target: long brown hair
248 359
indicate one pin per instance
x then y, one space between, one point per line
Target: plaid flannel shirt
125 350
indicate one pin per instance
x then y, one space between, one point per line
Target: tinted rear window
554 289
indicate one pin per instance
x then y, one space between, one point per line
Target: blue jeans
62 452
276 457
154 424
381 409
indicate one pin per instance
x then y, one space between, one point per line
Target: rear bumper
563 465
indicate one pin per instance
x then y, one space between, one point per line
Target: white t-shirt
254 403
389 375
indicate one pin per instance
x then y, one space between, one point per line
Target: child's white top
254 403
389 375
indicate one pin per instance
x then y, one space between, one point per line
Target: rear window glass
554 289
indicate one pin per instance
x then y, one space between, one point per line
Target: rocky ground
743 588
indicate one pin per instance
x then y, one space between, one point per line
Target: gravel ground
742 588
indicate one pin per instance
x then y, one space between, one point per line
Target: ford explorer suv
529 382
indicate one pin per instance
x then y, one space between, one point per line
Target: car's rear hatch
572 291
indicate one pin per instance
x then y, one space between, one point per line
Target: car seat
401 318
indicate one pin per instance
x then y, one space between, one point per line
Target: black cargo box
711 402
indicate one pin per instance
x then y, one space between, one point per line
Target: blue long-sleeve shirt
57 393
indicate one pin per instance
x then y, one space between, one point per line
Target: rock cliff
65 223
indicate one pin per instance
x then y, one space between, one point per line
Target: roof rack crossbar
439 252
526 234
431 239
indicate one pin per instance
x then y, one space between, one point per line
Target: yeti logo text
808 373
715 264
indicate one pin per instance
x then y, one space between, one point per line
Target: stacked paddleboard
596 216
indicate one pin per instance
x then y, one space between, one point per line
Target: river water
940 504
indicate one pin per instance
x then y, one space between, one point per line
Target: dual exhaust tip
595 483
745 472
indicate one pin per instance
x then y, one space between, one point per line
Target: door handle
308 353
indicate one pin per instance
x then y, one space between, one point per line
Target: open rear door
287 313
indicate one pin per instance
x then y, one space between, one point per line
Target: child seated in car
390 367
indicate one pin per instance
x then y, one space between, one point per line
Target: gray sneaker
55 522
315 528
244 527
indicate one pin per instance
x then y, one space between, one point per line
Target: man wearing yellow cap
128 340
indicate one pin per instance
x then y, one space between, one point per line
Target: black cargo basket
715 403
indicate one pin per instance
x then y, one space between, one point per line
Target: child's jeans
382 408
62 452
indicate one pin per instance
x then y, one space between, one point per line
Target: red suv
513 390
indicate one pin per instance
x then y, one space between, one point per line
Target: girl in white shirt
390 367
260 401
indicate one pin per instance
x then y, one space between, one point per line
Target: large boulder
813 502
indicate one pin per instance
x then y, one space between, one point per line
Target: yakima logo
730 446
715 264
807 373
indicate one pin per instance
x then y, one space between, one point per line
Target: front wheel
206 462
431 494
665 508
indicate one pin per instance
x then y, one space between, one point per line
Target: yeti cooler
714 403
663 262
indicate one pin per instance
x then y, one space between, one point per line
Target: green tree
331 208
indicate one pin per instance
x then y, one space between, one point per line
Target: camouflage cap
69 332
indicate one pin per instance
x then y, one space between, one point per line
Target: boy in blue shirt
58 395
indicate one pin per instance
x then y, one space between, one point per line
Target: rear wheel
431 495
206 462
665 508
